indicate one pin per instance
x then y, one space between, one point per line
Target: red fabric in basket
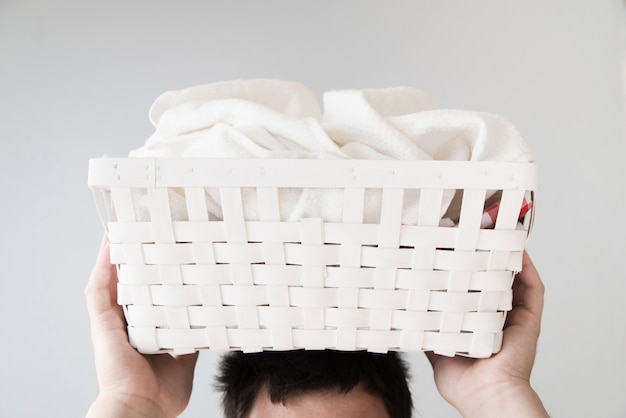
491 213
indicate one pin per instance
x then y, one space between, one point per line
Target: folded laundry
280 119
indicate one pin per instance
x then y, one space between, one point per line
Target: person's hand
500 386
131 384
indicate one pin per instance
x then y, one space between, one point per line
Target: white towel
401 123
238 119
279 119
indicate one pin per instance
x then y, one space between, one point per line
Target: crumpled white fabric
282 119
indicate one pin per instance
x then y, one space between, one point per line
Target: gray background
77 79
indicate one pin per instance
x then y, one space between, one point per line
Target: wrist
123 406
515 400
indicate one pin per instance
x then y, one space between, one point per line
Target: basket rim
313 173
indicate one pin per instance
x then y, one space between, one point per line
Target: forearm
510 402
124 407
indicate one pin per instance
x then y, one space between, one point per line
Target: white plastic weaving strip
145 339
483 344
196 204
390 218
313 276
212 316
267 200
346 339
217 338
102 199
177 317
353 202
273 253
424 258
411 340
242 274
160 215
498 260
350 255
313 318
247 317
385 278
210 295
203 253
278 295
430 207
233 214
282 338
312 232
469 222
346 297
418 300
170 274
459 281
381 319
123 204
508 212
131 253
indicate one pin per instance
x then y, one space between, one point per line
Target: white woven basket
267 284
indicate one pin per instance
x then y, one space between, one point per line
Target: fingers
101 291
528 289
188 361
432 358
108 326
523 322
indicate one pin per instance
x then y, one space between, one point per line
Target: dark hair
290 373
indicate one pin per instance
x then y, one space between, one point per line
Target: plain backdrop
77 79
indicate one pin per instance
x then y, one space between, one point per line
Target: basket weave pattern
269 284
